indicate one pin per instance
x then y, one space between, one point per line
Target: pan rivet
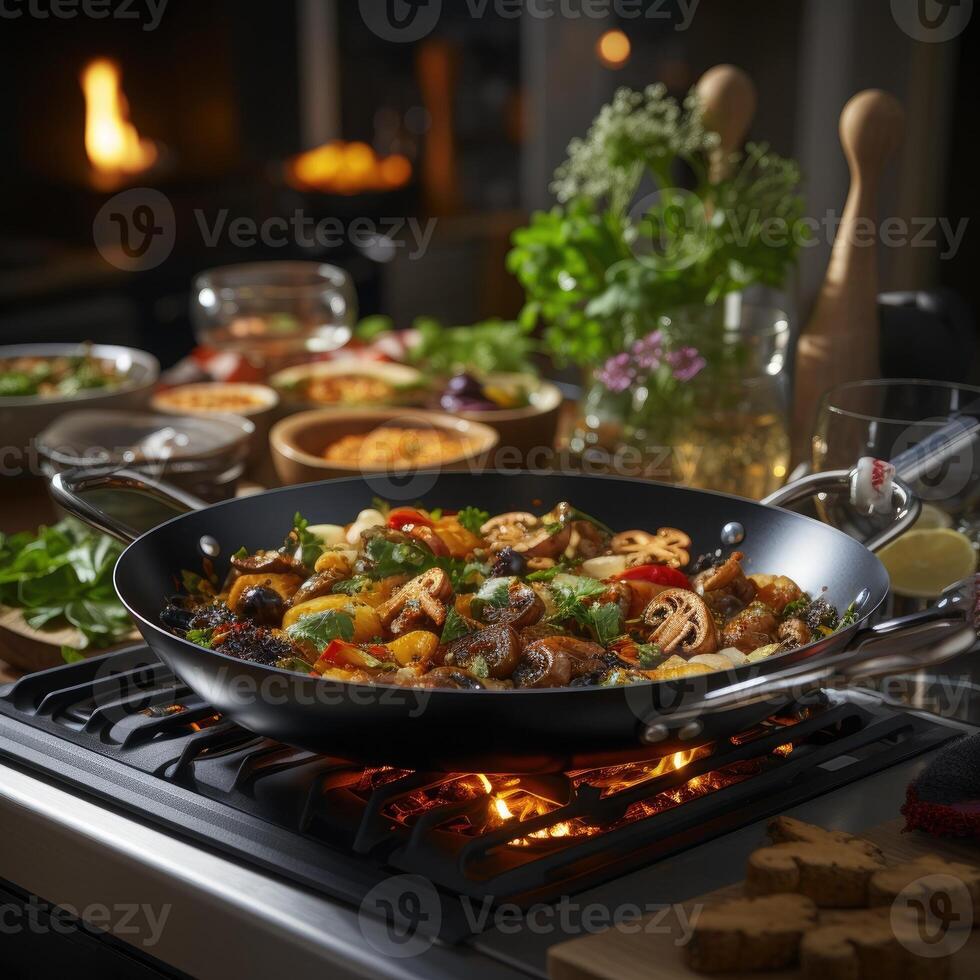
691 730
655 733
209 546
732 533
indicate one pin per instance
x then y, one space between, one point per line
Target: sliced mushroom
507 530
493 652
546 542
318 584
681 623
267 562
668 546
430 539
455 677
543 664
422 597
524 607
584 656
794 633
753 627
727 578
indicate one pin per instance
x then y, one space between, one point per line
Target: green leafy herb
241 553
294 663
797 607
472 518
385 558
605 621
203 638
60 575
494 593
195 584
351 586
485 348
454 627
321 628
304 542
463 575
547 574
570 595
649 655
849 617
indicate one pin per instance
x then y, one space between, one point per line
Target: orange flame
113 145
348 168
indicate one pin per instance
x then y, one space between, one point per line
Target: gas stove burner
122 728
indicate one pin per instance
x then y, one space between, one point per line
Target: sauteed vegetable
464 599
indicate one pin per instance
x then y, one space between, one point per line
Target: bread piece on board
867 945
747 934
832 875
886 885
782 830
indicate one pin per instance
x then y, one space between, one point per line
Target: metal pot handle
905 505
909 643
66 489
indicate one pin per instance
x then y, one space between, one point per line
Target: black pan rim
736 673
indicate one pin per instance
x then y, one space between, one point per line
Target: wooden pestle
728 99
840 341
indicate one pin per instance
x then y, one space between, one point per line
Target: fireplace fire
115 150
347 168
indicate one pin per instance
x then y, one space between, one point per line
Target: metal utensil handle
923 639
67 488
905 505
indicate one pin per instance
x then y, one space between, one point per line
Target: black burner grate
122 728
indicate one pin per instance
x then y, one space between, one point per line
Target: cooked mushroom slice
584 656
507 530
753 627
681 623
546 542
794 633
493 652
422 597
776 591
667 547
454 677
267 562
524 607
543 664
318 584
727 578
430 539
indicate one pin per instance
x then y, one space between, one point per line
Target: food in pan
514 600
464 393
56 377
397 447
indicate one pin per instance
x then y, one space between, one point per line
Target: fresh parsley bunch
599 269
62 575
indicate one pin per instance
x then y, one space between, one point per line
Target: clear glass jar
727 428
271 310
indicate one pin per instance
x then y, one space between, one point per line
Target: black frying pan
518 730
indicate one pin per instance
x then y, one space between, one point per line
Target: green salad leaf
472 518
62 575
321 628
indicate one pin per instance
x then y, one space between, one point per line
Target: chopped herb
605 621
463 574
472 518
351 586
385 558
435 514
203 638
479 666
850 616
321 627
493 594
797 607
553 528
547 574
649 655
455 627
303 542
241 553
195 584
570 595
294 663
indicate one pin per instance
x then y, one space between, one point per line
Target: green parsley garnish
303 542
321 628
649 655
203 638
472 518
455 627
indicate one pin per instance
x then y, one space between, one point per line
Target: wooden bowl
298 442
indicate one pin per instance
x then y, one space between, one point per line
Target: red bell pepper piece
402 517
658 574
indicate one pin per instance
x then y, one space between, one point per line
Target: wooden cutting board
616 955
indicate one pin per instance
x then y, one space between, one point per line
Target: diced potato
687 669
604 565
418 646
330 535
760 653
337 560
367 625
734 655
463 602
284 583
381 591
715 661
455 537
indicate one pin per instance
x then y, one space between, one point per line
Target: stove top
122 730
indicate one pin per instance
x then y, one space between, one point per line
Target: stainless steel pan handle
905 505
910 643
67 489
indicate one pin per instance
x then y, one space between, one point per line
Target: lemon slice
923 561
931 517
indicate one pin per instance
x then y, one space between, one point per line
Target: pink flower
649 351
618 373
686 363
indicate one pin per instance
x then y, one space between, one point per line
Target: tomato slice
658 574
402 517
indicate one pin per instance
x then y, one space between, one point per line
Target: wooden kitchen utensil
728 99
840 341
